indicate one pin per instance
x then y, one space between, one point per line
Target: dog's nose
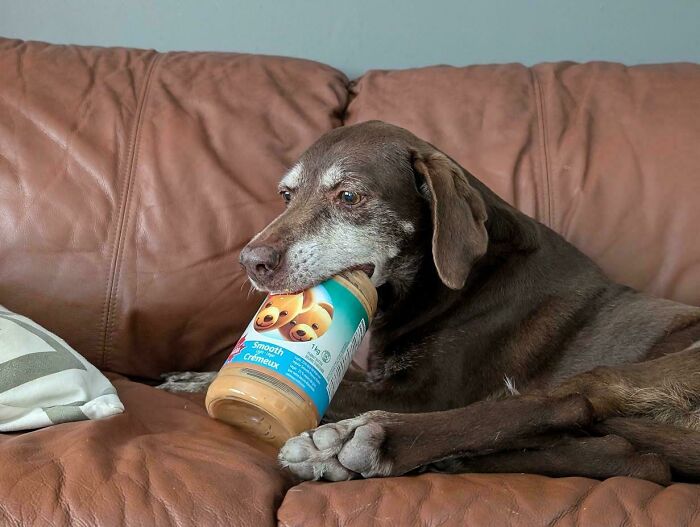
267 318
260 261
301 332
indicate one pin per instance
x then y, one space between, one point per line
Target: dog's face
372 197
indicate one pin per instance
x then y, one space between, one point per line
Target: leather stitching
109 307
574 507
544 147
350 95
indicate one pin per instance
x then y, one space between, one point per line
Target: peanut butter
283 372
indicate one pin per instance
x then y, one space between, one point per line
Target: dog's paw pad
298 449
304 458
334 471
362 453
328 437
338 451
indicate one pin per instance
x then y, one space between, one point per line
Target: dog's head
373 197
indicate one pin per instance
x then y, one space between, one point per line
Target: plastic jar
283 372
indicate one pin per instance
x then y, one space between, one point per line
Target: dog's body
497 346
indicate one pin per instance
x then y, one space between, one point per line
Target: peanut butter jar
287 365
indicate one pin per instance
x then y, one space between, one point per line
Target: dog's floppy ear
458 213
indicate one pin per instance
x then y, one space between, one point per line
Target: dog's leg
382 444
355 395
666 389
680 446
593 457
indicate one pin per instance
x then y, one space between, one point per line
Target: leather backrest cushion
604 154
129 182
623 161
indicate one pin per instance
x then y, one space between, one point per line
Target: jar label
308 338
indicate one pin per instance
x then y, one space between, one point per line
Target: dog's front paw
186 381
339 451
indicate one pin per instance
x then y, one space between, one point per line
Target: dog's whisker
251 290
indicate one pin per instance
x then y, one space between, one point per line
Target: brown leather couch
129 181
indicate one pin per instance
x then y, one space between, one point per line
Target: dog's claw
339 451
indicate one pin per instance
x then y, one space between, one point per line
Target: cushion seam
349 97
112 287
548 199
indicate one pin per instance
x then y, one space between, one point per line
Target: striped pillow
43 381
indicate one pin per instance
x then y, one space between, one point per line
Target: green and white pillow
43 381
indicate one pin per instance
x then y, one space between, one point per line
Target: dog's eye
283 313
286 196
268 305
315 326
349 198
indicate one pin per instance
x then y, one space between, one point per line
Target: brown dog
497 346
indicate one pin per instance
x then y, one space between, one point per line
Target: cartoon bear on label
279 310
309 324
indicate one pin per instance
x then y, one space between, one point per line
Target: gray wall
355 35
